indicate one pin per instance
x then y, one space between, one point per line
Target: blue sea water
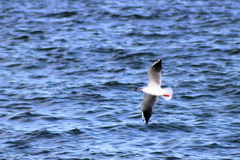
68 70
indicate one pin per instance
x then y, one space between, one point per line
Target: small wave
75 132
47 48
171 126
37 32
62 14
26 117
19 144
25 37
37 134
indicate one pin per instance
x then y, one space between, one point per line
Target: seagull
153 90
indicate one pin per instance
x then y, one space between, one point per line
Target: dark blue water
68 70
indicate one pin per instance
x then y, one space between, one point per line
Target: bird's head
139 89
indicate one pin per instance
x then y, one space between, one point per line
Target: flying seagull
153 90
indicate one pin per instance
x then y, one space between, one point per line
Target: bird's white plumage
166 93
154 76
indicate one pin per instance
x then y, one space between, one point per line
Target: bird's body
153 90
166 92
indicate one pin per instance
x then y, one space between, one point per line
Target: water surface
68 70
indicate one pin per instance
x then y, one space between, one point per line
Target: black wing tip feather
147 115
157 65
146 122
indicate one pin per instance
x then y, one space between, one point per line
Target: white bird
153 90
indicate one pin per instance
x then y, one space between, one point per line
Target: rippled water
68 70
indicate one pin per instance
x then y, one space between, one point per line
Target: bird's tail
168 92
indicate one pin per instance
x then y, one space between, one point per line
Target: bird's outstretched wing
154 74
148 104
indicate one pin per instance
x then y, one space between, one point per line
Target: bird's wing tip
159 62
145 119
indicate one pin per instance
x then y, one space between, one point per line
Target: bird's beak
135 89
